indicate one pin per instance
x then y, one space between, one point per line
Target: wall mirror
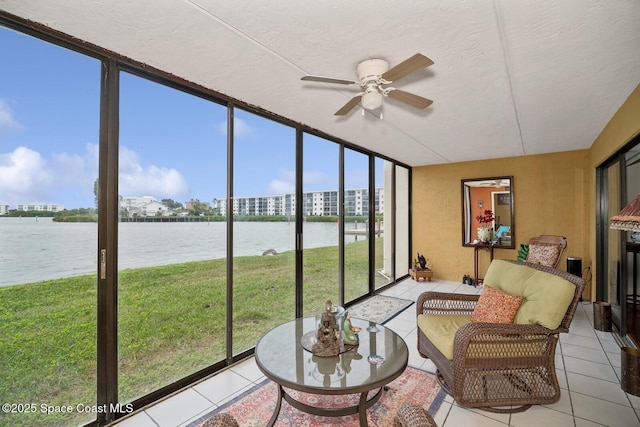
494 194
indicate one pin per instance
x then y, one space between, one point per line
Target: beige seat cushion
441 329
546 296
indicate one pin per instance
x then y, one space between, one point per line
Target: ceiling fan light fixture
373 74
372 100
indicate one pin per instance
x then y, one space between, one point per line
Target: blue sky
172 145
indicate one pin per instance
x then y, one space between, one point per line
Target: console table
476 249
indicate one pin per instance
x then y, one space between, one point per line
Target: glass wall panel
614 258
49 121
383 235
172 242
264 154
403 258
172 230
356 210
320 229
631 281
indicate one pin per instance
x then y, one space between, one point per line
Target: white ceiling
511 77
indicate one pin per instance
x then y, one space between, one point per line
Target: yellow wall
549 198
553 194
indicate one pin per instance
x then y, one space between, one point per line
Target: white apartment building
40 207
314 203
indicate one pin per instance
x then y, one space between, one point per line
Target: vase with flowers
485 231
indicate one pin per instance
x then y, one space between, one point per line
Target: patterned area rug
255 407
379 308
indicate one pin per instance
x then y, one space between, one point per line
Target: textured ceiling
510 77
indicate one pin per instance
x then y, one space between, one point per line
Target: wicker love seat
500 367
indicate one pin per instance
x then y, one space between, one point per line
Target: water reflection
32 251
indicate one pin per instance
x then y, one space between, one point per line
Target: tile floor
587 361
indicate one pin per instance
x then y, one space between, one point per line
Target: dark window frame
112 65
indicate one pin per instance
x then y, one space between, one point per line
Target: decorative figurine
328 334
350 332
422 261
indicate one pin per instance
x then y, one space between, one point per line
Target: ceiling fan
373 77
496 183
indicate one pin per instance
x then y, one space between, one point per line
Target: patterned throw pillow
540 253
495 306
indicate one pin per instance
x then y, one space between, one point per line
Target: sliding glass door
153 231
171 243
264 280
49 121
618 282
356 224
320 212
402 218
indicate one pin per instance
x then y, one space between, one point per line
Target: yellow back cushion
546 296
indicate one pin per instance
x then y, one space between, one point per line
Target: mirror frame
466 210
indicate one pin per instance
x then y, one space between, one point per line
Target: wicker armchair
502 368
221 420
413 416
549 256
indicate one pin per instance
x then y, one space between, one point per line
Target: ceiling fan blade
328 80
406 67
409 98
348 106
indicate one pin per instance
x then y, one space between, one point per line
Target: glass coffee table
381 357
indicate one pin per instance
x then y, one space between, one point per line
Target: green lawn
171 323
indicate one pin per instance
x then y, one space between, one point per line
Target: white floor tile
459 417
442 414
221 386
400 326
562 378
249 370
179 408
600 389
563 405
137 420
587 366
591 369
635 401
584 353
603 412
581 341
541 416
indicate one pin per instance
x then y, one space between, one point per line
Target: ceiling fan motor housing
371 70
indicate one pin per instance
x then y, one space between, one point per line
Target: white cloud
75 170
356 178
24 177
318 180
136 180
7 121
27 177
240 128
285 182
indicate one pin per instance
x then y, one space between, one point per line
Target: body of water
35 249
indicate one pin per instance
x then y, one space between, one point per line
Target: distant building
193 205
40 207
4 209
314 203
142 206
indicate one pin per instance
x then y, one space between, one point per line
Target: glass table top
281 356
